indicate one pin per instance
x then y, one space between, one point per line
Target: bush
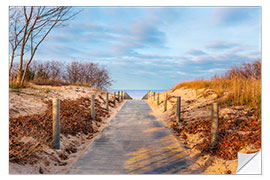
41 74
29 75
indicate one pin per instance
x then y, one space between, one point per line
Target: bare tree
16 28
55 69
87 73
102 79
73 72
90 70
38 23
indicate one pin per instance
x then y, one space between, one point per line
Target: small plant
29 75
42 74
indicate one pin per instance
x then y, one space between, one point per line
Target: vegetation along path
135 142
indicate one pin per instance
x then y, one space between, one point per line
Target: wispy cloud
228 57
196 52
228 16
181 73
221 45
214 70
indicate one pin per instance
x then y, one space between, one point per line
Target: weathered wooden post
56 123
178 108
158 98
118 95
107 101
114 98
93 107
165 102
214 127
154 95
123 95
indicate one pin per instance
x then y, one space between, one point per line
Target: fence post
154 95
107 101
165 102
56 123
118 94
179 108
93 107
158 98
114 98
214 127
121 94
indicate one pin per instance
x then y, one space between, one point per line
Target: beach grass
240 85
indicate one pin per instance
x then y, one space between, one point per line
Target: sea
136 93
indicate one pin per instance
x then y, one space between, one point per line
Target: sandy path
135 142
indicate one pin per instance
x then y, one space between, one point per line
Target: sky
158 47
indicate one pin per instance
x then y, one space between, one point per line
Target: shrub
42 74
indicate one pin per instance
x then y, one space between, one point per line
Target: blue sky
157 47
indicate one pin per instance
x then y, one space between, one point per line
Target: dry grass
49 82
239 86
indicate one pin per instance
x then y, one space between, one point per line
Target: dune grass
238 86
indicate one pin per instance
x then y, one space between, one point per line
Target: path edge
90 143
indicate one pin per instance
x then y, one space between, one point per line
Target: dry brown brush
28 134
239 89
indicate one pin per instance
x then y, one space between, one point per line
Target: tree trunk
11 62
26 67
33 53
25 38
24 73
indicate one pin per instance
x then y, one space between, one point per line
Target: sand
195 105
30 101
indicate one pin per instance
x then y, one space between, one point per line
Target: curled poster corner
249 163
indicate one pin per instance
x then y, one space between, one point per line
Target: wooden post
118 94
107 101
158 98
165 102
179 108
114 98
93 107
123 95
154 95
56 123
214 127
